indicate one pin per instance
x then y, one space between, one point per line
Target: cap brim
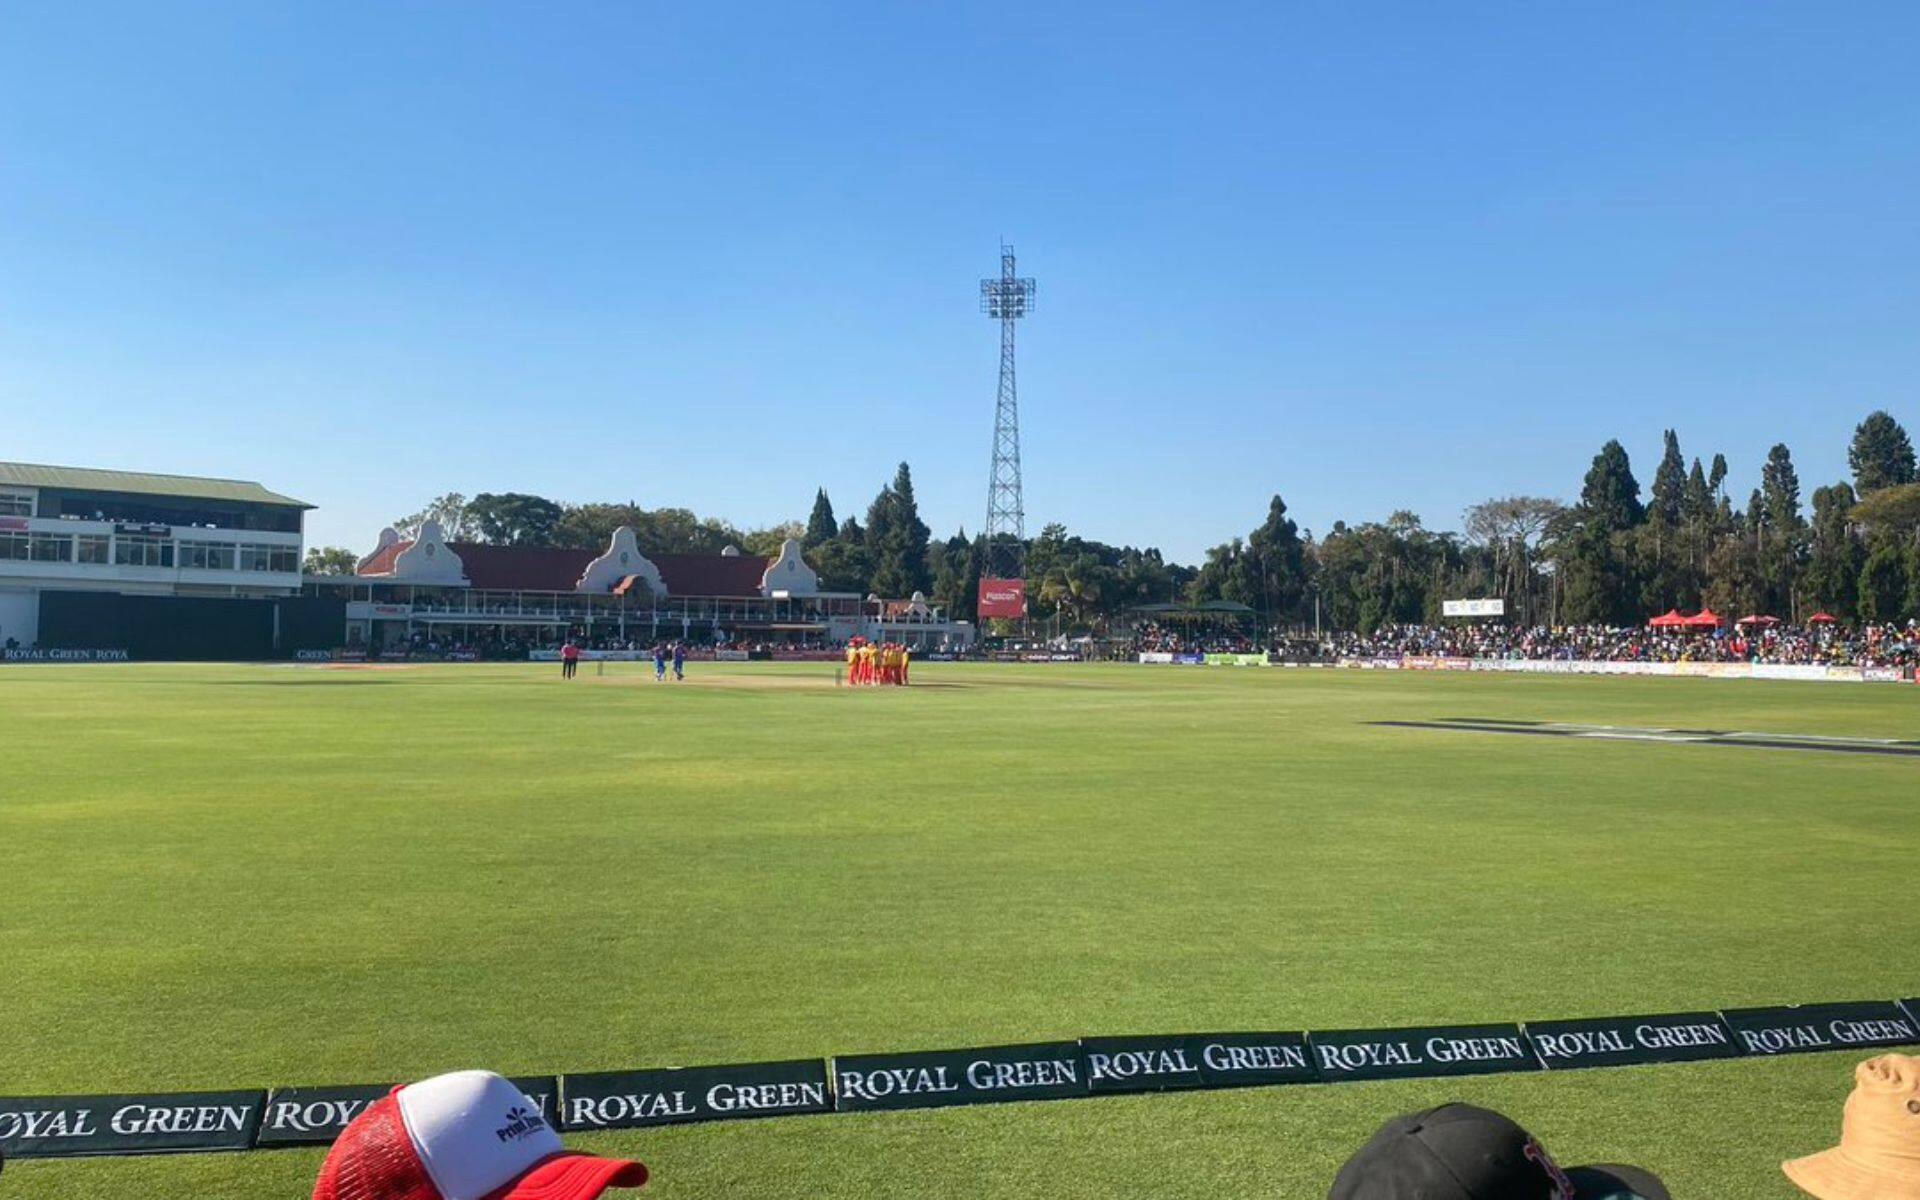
1830 1174
573 1177
1606 1181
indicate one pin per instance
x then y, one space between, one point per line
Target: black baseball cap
1459 1152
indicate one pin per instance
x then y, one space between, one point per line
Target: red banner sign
1003 598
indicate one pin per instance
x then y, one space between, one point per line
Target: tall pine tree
1881 454
820 525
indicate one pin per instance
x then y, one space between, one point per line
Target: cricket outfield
245 876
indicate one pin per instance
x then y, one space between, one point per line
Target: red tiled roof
525 569
382 561
522 569
711 574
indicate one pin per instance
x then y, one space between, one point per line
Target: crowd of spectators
1869 645
1153 637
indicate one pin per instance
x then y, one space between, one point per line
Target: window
13 547
206 556
256 557
51 547
16 504
130 550
93 547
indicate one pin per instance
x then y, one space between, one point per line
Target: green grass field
242 876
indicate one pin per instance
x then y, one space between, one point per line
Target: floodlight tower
1005 299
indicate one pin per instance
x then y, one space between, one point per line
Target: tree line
1609 557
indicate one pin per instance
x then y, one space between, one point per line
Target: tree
1669 483
767 543
1881 454
1610 494
842 562
1781 534
329 560
820 526
1073 587
897 539
1831 580
1891 510
588 525
1593 554
449 510
956 575
1512 528
513 519
1883 584
1278 561
1227 574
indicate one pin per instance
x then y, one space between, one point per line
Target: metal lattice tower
1006 299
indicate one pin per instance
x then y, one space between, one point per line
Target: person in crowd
1460 1152
458 1137
569 659
1879 1152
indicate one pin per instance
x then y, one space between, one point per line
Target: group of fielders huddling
871 664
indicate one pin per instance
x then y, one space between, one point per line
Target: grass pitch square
254 875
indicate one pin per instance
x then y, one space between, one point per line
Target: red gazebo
1706 618
1670 619
1759 619
1823 618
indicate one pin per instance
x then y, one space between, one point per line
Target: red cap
470 1135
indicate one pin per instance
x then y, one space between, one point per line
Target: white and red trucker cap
470 1135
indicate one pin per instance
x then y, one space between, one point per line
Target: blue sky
1370 256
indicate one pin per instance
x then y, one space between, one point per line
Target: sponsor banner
1236 660
1156 656
938 1078
1005 598
355 655
314 1116
1252 1059
1435 662
371 610
1880 674
732 656
144 530
670 1096
1190 660
70 656
1626 1041
1494 607
1812 671
1913 1009
1842 675
778 655
313 655
68 1126
1809 1028
13 524
1344 1054
462 656
1141 1064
